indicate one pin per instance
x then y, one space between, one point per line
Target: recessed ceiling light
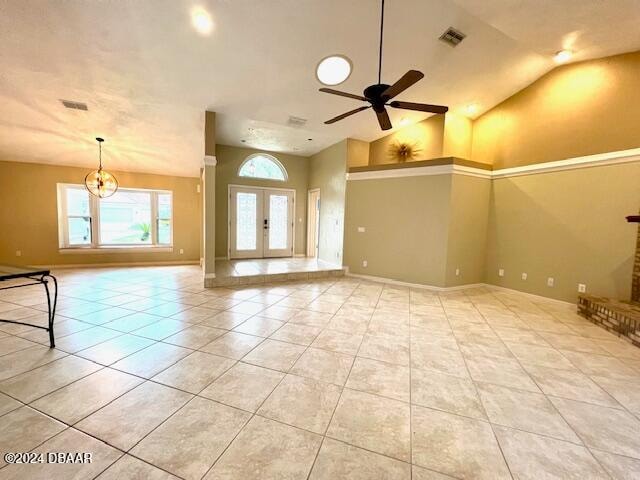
563 56
201 20
333 70
471 109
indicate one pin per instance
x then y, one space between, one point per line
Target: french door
260 222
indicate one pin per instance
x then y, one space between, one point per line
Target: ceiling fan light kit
379 95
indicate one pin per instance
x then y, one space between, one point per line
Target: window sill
117 249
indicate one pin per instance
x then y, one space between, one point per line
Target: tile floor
265 266
334 378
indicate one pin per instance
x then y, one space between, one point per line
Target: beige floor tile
626 392
295 333
570 384
531 457
279 312
192 439
104 316
614 431
111 351
573 342
275 355
302 402
374 423
133 322
8 404
600 365
542 356
519 335
232 345
24 429
259 326
126 420
312 318
500 371
387 349
619 467
267 449
445 392
14 344
444 360
28 359
243 386
380 378
80 399
128 467
419 473
151 360
225 320
323 365
248 308
43 380
195 337
71 441
194 372
85 339
338 342
339 460
527 411
161 329
457 446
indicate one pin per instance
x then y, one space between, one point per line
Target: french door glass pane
278 221
79 230
246 218
125 218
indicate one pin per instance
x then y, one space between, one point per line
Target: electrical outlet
524 276
550 282
501 272
18 253
181 251
457 272
361 229
582 288
365 263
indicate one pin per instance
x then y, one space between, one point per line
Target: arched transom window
262 165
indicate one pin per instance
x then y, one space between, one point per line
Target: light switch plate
361 229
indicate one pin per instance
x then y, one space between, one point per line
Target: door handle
266 224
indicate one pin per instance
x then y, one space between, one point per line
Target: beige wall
29 215
469 214
426 135
357 153
229 161
578 109
568 225
327 170
406 223
457 136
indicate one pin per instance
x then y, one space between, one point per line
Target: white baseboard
209 275
119 264
390 281
533 296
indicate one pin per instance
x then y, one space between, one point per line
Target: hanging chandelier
100 182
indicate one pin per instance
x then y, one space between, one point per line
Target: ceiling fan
379 94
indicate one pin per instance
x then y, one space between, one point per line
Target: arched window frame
269 157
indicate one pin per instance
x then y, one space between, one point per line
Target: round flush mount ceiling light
101 183
201 21
563 56
333 70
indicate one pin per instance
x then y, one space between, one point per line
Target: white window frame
285 174
96 244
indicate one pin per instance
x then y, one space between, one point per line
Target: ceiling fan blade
408 79
345 115
343 94
383 119
421 107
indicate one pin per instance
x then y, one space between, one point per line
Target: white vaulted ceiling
147 76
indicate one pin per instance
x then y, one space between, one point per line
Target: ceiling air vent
74 105
297 121
452 37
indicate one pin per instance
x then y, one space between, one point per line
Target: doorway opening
313 223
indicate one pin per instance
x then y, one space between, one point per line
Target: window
129 218
262 165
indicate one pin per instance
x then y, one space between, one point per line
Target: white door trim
317 233
235 185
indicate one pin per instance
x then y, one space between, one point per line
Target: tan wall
578 109
427 136
406 224
568 225
229 161
29 215
357 153
327 171
457 136
469 214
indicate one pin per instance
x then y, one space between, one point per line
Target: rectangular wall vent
74 105
452 37
297 121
